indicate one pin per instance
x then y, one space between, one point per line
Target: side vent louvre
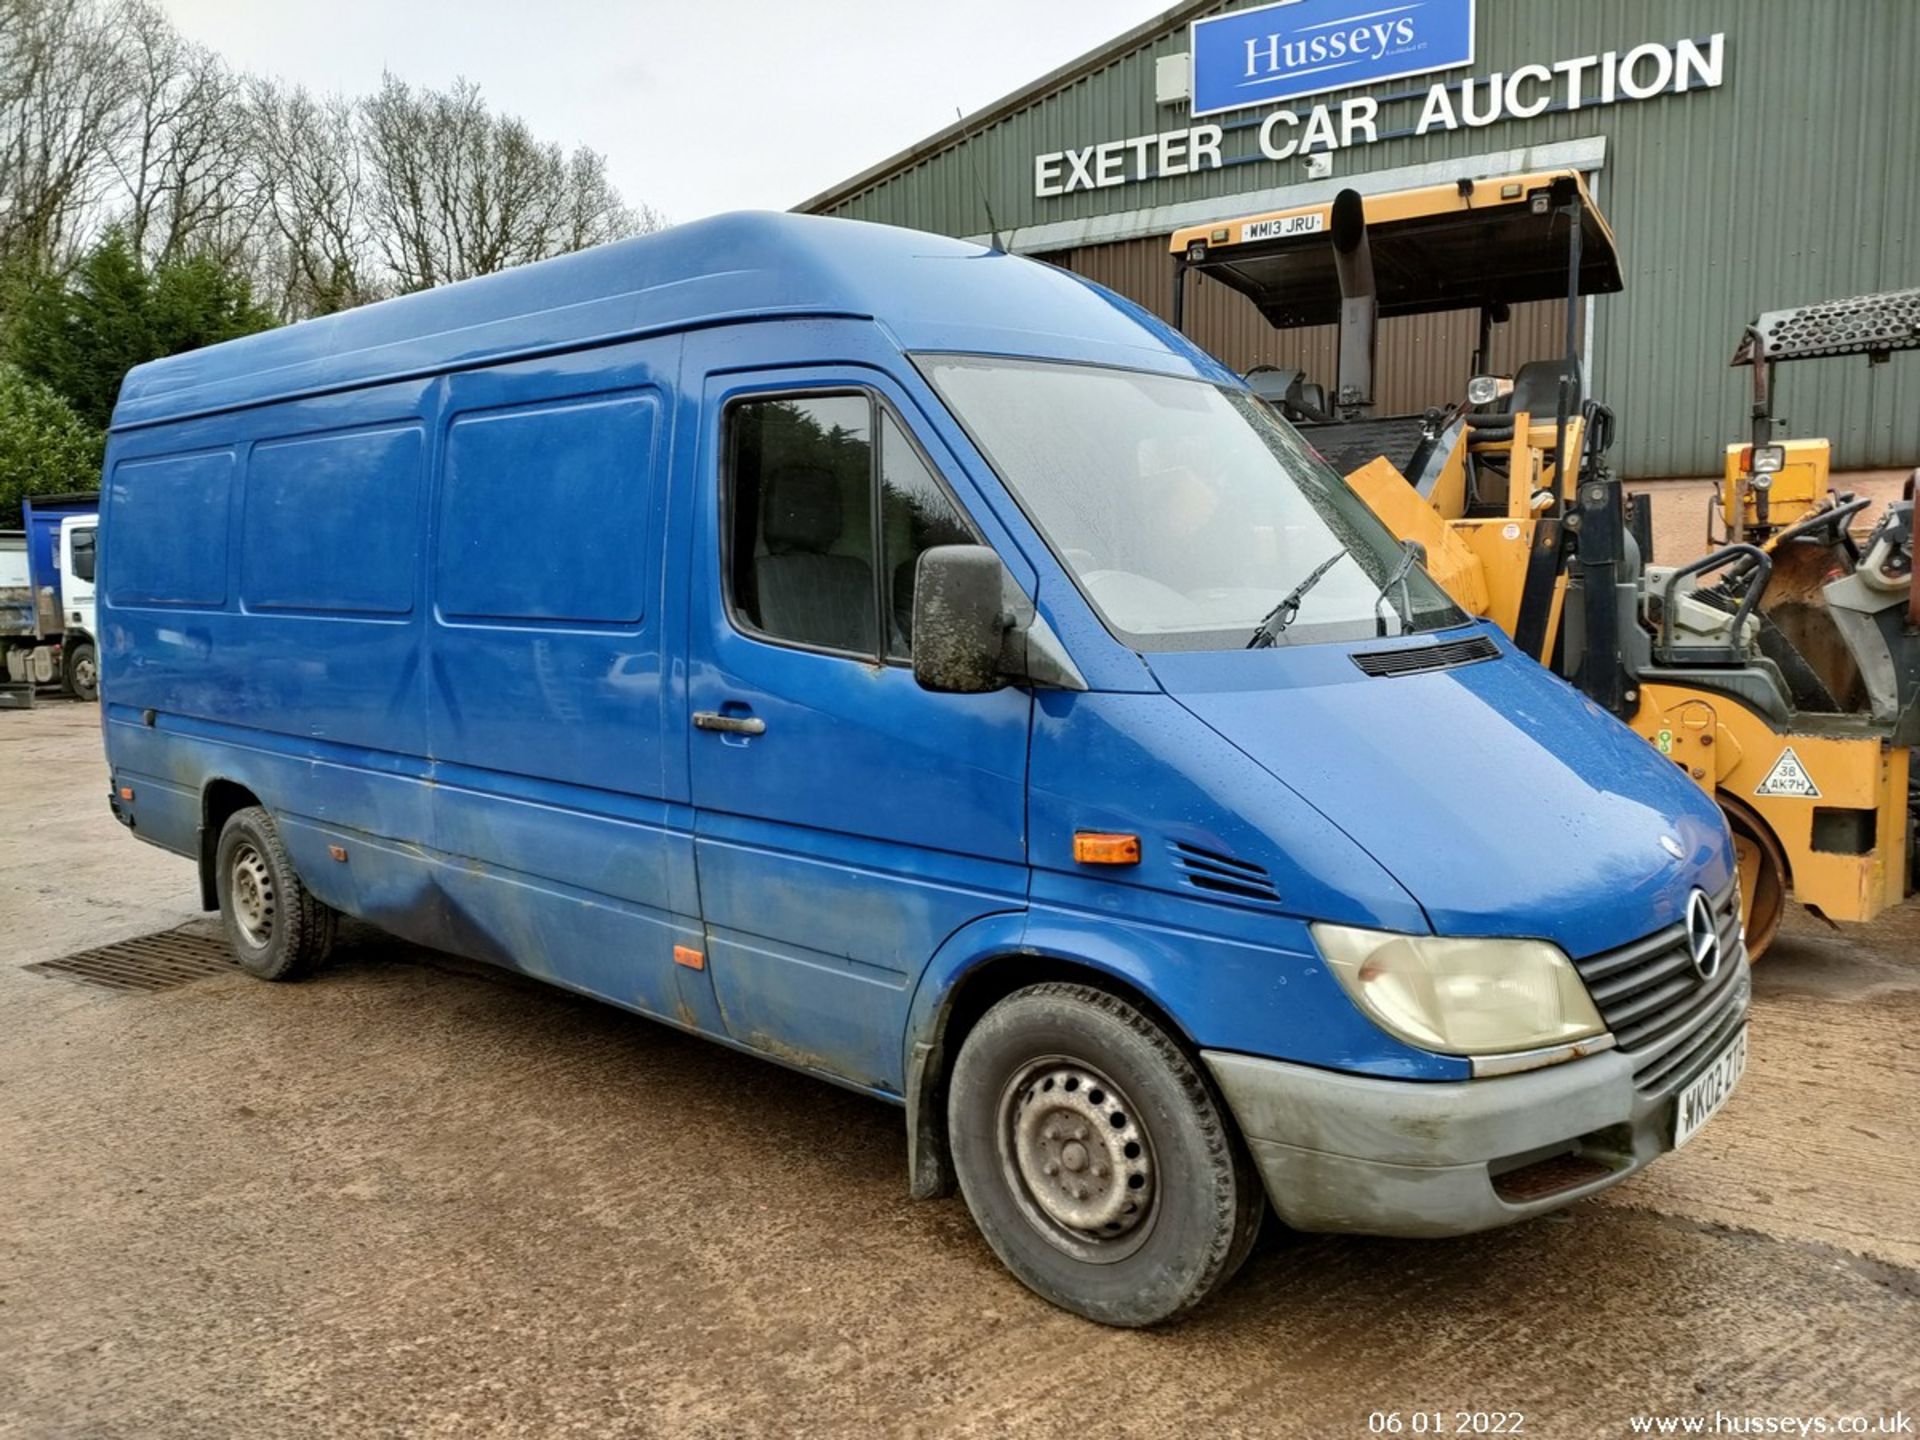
1412 660
1222 875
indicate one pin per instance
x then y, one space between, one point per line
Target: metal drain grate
148 962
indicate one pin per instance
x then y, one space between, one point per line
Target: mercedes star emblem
1703 936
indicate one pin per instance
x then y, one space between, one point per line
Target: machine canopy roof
1455 246
1857 325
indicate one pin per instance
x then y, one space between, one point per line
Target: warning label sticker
1788 777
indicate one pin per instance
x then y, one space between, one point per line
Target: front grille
1414 659
1663 1016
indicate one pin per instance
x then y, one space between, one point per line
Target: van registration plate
1709 1090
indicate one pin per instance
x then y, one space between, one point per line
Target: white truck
47 626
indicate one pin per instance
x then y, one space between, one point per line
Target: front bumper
1342 1152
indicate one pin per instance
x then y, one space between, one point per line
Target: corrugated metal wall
1794 181
1422 360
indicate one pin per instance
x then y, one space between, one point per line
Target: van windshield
1186 512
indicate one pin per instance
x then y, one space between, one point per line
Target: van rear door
846 821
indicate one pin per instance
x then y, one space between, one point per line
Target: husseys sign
1607 78
1306 47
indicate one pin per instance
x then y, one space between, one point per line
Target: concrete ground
417 1197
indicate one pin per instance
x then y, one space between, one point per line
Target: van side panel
568 853
261 600
261 572
546 573
422 623
175 509
342 496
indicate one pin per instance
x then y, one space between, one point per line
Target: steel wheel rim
84 673
1077 1159
252 894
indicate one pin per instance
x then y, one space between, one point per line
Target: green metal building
1749 154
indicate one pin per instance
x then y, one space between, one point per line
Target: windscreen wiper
1410 551
1282 614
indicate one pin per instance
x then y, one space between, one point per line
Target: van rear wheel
275 927
1096 1159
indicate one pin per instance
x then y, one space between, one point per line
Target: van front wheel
275 927
1096 1159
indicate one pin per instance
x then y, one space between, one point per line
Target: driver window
799 493
830 505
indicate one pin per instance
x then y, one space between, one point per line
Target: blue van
919 667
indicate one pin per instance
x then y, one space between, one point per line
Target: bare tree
184 165
458 191
308 167
66 106
109 117
594 213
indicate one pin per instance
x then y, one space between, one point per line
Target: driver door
847 821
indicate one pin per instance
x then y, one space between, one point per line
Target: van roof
929 292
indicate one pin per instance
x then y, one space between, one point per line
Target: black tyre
80 671
278 931
1096 1158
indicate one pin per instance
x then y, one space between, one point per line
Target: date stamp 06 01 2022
1446 1422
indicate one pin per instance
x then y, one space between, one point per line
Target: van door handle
729 724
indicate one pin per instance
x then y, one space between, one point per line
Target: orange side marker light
126 792
1097 847
338 852
688 956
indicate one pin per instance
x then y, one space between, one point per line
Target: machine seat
1536 390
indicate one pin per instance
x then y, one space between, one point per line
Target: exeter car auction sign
1608 78
1304 47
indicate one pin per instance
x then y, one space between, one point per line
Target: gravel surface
419 1197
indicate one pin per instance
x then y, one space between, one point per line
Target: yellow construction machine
1781 670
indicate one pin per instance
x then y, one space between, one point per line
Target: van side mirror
960 619
974 630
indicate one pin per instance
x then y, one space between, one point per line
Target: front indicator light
1462 996
1096 847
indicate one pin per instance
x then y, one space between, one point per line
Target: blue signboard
1303 47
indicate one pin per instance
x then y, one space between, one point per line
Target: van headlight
1462 996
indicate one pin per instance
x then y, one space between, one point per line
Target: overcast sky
699 105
